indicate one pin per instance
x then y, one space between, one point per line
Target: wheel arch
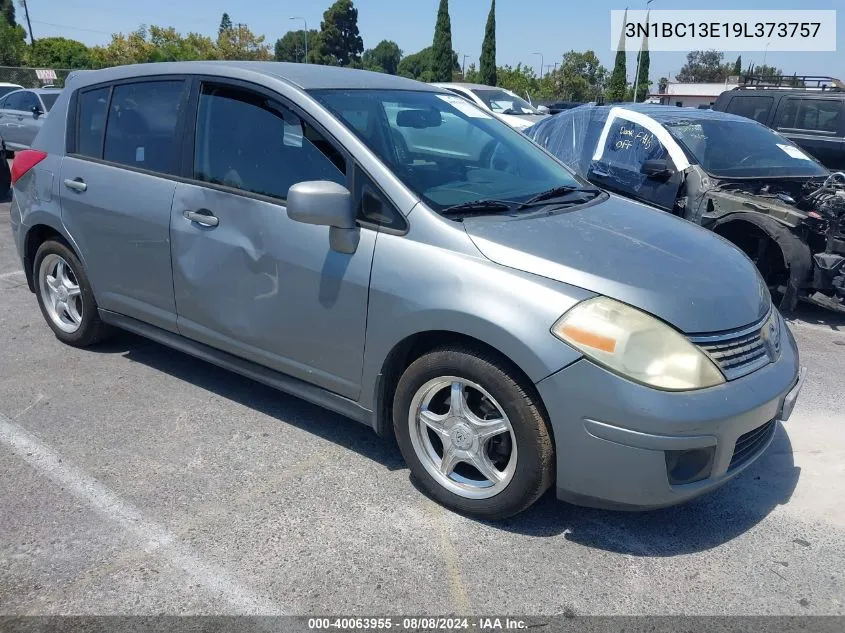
45 228
414 346
738 228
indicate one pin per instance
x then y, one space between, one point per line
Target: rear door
117 190
817 124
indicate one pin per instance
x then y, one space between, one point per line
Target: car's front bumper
612 435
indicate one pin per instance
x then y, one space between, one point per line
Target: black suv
811 115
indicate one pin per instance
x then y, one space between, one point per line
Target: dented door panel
269 289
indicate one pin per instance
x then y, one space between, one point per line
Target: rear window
141 125
756 108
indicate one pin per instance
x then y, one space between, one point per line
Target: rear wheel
65 296
473 435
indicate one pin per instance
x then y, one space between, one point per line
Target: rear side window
27 101
14 101
756 108
818 115
92 122
141 125
249 142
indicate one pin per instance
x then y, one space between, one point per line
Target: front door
249 280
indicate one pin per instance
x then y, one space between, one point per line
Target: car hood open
673 269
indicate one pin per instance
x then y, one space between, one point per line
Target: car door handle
76 184
203 217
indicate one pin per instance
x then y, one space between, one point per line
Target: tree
582 77
472 74
519 79
618 78
12 43
441 50
643 84
7 10
225 23
487 71
704 67
764 70
58 52
341 40
662 85
738 66
291 47
419 65
385 57
241 43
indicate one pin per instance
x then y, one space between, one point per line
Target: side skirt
254 371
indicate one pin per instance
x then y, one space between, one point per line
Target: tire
79 323
522 455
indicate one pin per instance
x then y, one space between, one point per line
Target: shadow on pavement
810 313
701 524
285 408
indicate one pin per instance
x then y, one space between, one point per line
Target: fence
29 77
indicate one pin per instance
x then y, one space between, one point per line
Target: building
692 95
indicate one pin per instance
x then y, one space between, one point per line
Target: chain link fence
29 77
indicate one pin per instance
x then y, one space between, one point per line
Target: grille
748 445
740 352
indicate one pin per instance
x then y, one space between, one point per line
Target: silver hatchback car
394 253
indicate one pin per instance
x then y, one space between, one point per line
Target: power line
71 28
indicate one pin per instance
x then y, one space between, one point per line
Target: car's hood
659 263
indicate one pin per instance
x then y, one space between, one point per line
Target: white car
6 88
504 104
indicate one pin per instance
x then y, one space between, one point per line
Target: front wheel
473 433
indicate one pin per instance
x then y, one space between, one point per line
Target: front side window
91 122
445 149
141 126
14 101
27 101
742 149
756 108
250 142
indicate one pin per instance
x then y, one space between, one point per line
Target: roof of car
668 113
304 76
458 84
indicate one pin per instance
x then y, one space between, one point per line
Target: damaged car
727 173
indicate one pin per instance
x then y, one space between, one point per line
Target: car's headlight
636 345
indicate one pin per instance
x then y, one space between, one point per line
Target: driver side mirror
660 169
326 203
36 111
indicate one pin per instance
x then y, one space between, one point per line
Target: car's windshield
445 149
503 102
49 98
740 149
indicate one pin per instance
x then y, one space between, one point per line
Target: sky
550 27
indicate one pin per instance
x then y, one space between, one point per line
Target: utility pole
542 63
296 17
464 69
637 75
28 24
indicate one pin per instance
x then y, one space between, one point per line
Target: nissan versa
394 253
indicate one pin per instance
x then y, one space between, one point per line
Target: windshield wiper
479 207
556 192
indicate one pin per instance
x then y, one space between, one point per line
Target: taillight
24 161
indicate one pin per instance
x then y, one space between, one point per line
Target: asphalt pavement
138 480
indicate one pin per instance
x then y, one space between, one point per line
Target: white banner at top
724 30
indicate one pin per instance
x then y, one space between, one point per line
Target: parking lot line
157 540
11 274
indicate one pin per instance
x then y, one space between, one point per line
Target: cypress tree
441 53
618 83
487 71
